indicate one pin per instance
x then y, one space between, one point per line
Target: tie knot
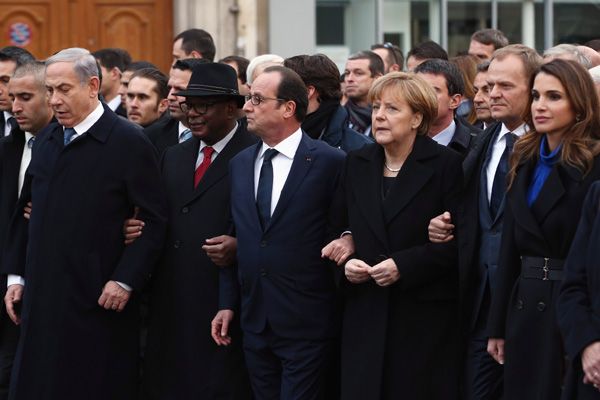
69 132
185 135
30 142
269 154
208 151
511 138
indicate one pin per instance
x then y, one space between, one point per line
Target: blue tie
30 142
185 135
265 188
69 132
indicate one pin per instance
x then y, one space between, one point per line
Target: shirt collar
90 120
287 146
181 128
114 103
520 131
220 145
7 115
445 136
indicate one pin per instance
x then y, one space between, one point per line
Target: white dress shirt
499 146
217 147
446 135
7 126
180 129
282 164
25 159
80 129
114 103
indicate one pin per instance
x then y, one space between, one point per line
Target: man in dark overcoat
79 315
182 360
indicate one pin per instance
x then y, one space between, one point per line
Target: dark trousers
483 375
9 337
282 368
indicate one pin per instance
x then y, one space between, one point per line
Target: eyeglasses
256 99
199 108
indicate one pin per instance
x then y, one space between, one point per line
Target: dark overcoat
523 310
578 307
402 341
182 359
70 347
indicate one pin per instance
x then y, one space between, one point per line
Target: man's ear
290 109
455 100
195 54
163 105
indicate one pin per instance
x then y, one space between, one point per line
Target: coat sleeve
509 268
574 308
419 265
144 189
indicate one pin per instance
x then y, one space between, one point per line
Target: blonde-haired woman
399 335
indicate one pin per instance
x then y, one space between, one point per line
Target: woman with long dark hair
552 168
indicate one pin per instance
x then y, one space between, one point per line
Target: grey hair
85 64
37 69
570 51
595 73
259 63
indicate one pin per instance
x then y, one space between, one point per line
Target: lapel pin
308 159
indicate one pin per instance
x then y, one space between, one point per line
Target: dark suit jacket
163 133
121 111
464 137
182 360
578 307
524 310
282 276
72 245
402 338
11 151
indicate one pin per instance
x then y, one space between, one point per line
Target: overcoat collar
415 173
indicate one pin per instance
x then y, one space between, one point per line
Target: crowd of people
269 229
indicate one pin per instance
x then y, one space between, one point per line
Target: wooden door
142 27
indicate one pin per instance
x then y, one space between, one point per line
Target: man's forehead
21 82
361 63
266 82
7 67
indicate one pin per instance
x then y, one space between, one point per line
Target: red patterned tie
207 151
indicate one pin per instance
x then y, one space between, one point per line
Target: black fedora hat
213 80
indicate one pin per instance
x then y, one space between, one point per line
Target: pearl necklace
391 169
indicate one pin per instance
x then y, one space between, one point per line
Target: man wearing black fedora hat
187 289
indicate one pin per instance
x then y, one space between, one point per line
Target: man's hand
357 271
495 348
27 210
14 295
339 250
590 362
132 227
385 273
221 250
113 297
219 327
441 229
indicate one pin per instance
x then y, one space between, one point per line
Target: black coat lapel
300 166
518 200
410 180
12 164
554 189
368 175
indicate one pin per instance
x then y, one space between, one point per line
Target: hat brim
196 93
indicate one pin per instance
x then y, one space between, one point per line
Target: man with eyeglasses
188 287
282 192
392 57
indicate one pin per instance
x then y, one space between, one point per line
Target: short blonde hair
417 93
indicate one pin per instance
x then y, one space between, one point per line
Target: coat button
520 304
185 210
263 272
176 244
263 243
541 306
